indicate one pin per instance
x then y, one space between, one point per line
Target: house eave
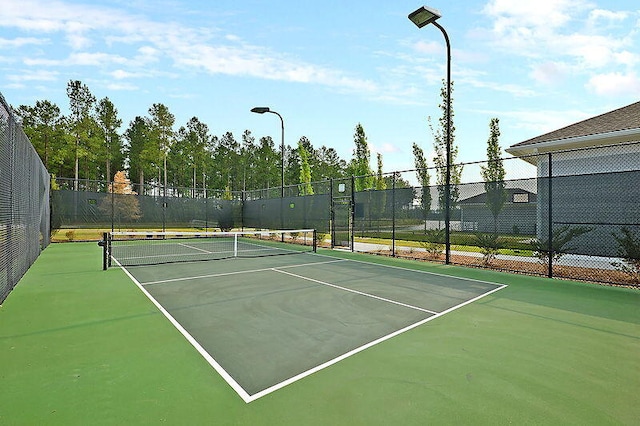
528 152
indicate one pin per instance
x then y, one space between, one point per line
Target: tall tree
422 173
248 155
196 139
305 170
227 167
360 166
162 134
81 122
44 125
109 123
139 150
493 173
440 145
267 164
329 164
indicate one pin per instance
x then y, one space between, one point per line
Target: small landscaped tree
122 202
424 178
493 174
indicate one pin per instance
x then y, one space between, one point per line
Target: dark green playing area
266 322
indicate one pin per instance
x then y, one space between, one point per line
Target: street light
262 110
422 17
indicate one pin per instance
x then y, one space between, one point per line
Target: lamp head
260 110
424 16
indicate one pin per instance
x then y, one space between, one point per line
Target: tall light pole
422 17
262 110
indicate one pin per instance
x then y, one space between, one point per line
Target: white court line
415 270
195 248
373 296
250 271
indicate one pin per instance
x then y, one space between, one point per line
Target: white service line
195 248
250 271
373 296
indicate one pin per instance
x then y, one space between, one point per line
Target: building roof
482 198
617 126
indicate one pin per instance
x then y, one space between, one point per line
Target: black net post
315 240
105 251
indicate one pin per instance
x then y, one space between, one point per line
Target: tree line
90 143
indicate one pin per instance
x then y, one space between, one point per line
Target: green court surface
79 345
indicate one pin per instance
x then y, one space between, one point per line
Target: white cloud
195 49
539 121
607 15
523 16
549 72
21 42
615 83
122 87
30 75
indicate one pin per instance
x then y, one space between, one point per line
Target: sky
327 66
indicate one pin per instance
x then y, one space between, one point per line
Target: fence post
352 219
550 218
332 234
393 215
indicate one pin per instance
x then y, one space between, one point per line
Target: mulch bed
601 276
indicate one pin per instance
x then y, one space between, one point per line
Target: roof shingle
624 118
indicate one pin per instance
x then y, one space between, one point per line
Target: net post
235 244
315 240
104 251
109 237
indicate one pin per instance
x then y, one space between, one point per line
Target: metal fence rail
24 202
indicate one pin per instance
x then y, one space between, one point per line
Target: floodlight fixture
260 110
424 16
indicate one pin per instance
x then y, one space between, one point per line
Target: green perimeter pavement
82 346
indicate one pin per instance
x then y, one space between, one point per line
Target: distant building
517 216
595 170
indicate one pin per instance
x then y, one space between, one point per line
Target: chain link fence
574 214
24 202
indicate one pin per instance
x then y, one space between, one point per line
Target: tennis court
80 345
265 322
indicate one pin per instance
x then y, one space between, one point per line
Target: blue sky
326 66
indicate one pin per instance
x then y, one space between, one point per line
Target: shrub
70 234
490 245
629 251
433 242
559 239
320 237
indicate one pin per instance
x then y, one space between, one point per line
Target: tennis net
149 248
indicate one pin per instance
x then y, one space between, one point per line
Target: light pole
262 110
422 17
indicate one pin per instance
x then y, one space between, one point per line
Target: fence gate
342 213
